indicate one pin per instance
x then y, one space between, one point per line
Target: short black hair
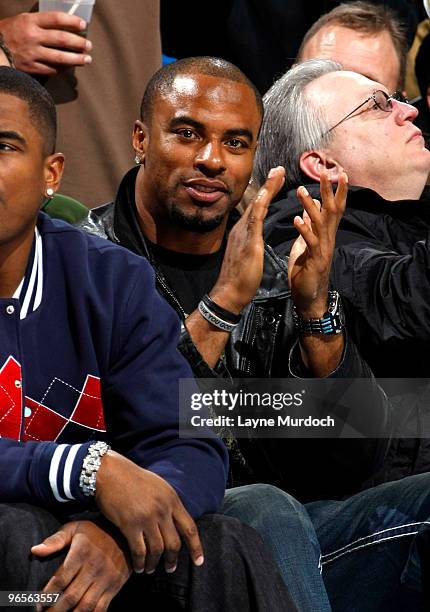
163 79
40 103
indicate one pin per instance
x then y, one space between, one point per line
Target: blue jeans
367 553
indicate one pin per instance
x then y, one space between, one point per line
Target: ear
140 139
428 97
53 171
312 164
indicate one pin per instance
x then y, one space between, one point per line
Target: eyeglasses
381 99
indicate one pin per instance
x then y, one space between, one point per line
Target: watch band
332 322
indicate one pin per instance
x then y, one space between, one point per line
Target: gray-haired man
321 119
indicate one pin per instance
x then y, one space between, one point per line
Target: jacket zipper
166 289
161 280
248 336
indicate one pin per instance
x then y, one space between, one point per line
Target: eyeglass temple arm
349 115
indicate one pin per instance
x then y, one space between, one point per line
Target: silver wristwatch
90 466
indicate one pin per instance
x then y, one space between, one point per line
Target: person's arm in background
44 43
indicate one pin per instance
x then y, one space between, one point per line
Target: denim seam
351 547
346 552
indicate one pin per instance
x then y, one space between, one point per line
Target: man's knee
26 525
260 502
21 527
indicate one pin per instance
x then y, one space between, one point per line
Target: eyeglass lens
382 101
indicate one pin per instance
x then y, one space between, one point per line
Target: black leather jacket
263 345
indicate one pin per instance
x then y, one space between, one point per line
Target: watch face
336 311
333 302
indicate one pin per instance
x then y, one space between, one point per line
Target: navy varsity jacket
88 352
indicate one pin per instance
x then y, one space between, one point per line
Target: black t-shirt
189 276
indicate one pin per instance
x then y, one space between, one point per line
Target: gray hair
291 125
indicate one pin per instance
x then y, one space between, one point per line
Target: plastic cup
80 8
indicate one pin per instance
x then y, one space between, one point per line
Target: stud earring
137 160
50 193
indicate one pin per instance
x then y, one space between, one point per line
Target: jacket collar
126 223
29 291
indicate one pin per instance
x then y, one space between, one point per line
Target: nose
209 158
404 112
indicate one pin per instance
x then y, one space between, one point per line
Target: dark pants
238 573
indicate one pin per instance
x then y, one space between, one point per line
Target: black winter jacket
381 268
